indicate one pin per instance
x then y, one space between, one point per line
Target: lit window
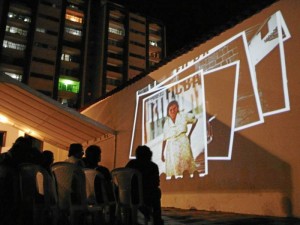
15 76
64 101
65 57
41 30
27 20
15 30
74 18
19 17
73 31
68 85
12 30
116 31
155 55
153 43
13 45
73 6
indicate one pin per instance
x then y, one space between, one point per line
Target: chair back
9 195
37 194
36 185
99 192
128 191
9 183
95 187
70 185
128 186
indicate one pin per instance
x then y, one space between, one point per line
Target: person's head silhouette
93 155
76 150
143 152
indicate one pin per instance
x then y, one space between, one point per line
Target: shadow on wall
251 169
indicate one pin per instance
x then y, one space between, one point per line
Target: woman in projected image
176 148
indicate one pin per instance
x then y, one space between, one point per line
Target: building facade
76 51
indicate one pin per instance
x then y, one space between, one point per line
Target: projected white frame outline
283 63
280 25
233 116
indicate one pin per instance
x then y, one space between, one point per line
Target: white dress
179 155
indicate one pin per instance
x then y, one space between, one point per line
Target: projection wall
234 71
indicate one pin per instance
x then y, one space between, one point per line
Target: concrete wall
260 172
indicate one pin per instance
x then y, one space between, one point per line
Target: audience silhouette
93 158
151 182
75 154
21 152
47 160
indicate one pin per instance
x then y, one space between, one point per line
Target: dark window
43 60
137 44
137 32
137 56
113 82
115 43
48 93
2 139
136 68
114 55
43 76
49 17
137 20
114 68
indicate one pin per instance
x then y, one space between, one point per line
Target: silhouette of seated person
75 154
91 160
47 160
75 157
20 152
150 181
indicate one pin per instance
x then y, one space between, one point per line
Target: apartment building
76 51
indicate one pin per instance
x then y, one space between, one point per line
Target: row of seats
77 195
69 195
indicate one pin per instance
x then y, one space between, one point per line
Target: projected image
189 116
174 128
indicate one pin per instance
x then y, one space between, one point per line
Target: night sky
188 21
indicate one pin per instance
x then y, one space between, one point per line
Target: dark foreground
173 216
